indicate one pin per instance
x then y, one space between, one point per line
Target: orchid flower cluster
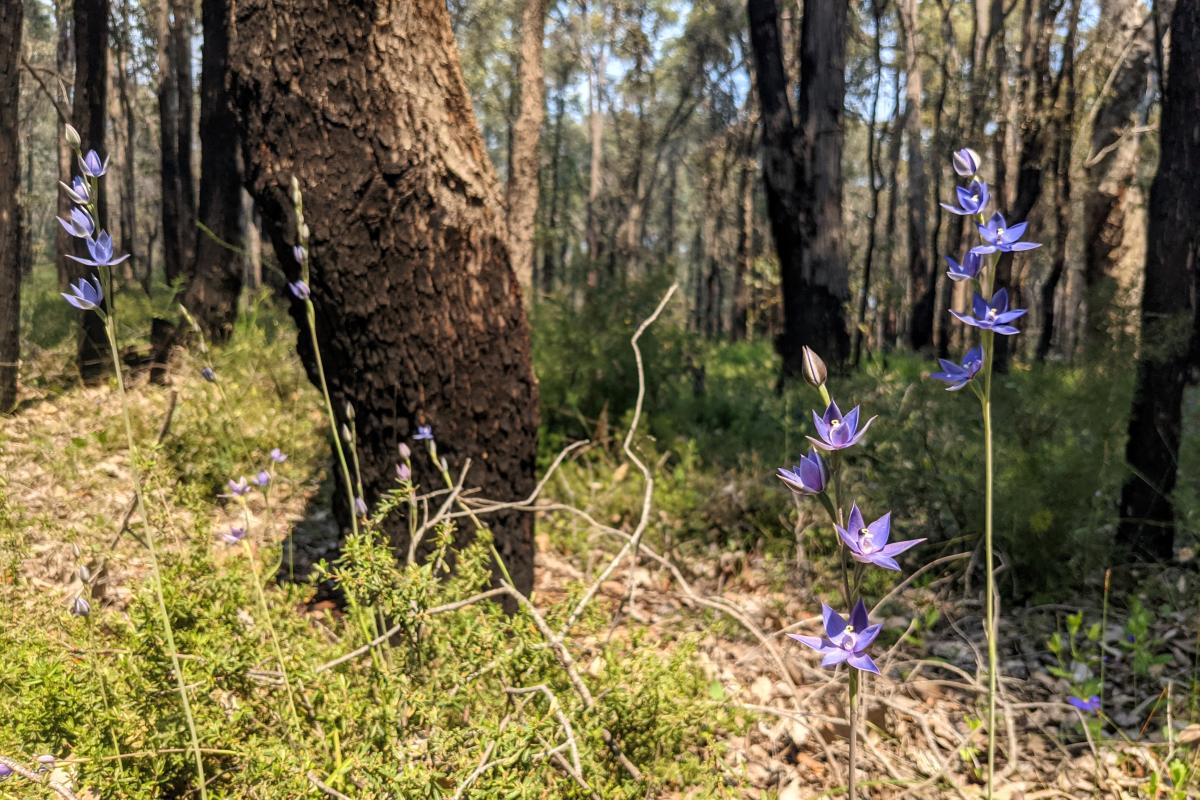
991 315
846 639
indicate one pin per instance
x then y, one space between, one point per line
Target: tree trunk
744 257
168 142
64 63
419 314
216 280
1147 526
89 115
551 267
875 177
802 176
1112 165
920 286
596 168
126 95
181 61
522 191
11 244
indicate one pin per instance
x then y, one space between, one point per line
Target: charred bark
1147 526
419 314
11 236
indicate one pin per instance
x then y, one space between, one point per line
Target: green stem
333 429
266 612
851 789
155 568
990 600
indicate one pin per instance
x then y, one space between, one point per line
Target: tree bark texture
522 189
1147 527
11 238
419 314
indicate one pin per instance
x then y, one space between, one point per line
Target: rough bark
1112 164
802 175
420 319
64 63
921 282
89 114
125 96
168 141
11 244
216 280
521 196
552 266
875 177
743 262
1147 526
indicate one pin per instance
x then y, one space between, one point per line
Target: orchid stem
851 789
990 600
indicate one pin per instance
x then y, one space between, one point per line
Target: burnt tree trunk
11 244
521 195
801 158
419 314
921 281
216 280
1147 526
89 113
175 137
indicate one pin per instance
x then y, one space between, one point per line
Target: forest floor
924 738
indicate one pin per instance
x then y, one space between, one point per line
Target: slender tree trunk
419 314
743 262
89 114
1147 526
64 62
551 267
173 222
181 60
216 281
125 95
1111 167
596 166
920 287
874 175
11 238
802 175
522 191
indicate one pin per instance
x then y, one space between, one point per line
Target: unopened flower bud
304 232
360 506
72 137
346 433
80 607
295 191
45 762
85 574
349 411
405 451
814 368
208 375
403 472
966 162
5 772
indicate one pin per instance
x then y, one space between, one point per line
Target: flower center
835 423
866 540
999 233
991 314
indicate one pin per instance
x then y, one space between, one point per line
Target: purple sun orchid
959 375
836 432
300 290
403 472
868 544
208 374
278 456
360 506
239 488
1088 706
971 199
92 166
87 295
80 607
262 478
807 477
78 223
993 316
300 254
101 251
78 191
5 772
965 161
966 271
424 433
1002 237
234 535
844 642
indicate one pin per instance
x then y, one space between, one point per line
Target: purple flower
262 478
405 452
360 506
208 374
299 290
101 250
967 270
278 456
92 166
993 316
1000 236
424 433
234 535
807 477
971 199
868 544
240 487
80 607
959 375
78 191
85 295
837 432
966 162
5 772
45 762
78 224
843 642
300 254
403 472
1089 706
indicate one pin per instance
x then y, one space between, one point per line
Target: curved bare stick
40 780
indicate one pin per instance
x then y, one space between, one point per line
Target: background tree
11 238
521 196
1147 526
419 312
